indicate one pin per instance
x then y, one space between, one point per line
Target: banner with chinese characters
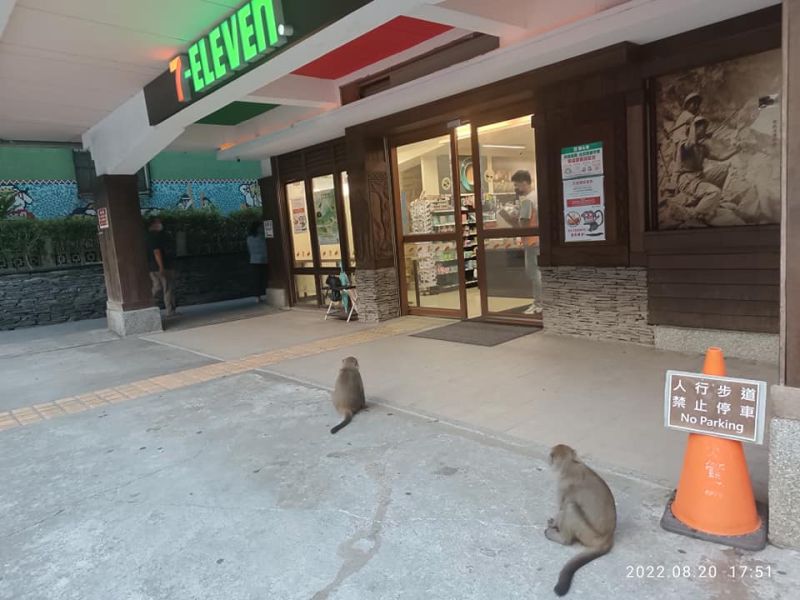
584 200
719 406
582 161
584 210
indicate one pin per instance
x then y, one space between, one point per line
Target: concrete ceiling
73 70
66 64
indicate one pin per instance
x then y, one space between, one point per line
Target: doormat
477 333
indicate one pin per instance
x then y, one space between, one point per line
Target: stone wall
378 294
52 296
598 303
47 297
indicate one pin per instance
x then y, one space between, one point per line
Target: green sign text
254 30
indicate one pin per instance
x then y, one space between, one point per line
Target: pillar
130 308
276 219
784 451
373 227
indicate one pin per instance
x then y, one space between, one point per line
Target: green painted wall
24 163
201 165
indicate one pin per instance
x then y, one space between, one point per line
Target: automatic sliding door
510 222
428 224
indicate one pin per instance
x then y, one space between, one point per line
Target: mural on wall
51 199
40 199
15 203
718 144
225 196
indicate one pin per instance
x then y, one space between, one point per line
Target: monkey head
350 363
560 455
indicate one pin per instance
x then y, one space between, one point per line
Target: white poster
584 210
269 231
299 220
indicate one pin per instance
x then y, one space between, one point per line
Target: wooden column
274 210
130 307
790 241
372 212
784 427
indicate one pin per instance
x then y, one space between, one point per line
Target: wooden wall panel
716 279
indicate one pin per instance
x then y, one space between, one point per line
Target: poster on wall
584 210
299 218
102 218
718 144
269 230
582 161
584 200
325 212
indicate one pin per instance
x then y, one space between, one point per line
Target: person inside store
257 248
527 216
160 262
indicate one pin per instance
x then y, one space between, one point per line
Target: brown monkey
586 513
348 392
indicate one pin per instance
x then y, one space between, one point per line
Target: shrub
27 243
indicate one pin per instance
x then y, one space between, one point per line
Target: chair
336 293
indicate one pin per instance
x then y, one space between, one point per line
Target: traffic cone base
754 541
714 500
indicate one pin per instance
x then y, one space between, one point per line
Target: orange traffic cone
714 499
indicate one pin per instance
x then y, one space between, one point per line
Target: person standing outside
257 248
528 217
159 260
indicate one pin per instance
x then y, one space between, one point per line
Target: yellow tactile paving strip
74 404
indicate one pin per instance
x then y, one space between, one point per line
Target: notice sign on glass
584 200
582 161
584 210
718 406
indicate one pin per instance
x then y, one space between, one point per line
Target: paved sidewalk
234 489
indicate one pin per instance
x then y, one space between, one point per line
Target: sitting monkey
586 513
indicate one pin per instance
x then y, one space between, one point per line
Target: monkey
586 513
348 392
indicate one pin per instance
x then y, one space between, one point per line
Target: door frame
402 238
316 270
420 135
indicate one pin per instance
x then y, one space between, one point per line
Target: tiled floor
179 379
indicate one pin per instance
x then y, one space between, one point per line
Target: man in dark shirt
159 259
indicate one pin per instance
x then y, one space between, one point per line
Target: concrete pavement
218 479
234 489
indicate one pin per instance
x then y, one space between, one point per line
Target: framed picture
718 146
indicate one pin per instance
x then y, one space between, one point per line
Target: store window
306 289
326 221
301 236
426 186
432 275
508 168
509 203
509 284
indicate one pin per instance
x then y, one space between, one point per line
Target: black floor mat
477 333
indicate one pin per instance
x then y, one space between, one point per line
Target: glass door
508 231
319 221
429 227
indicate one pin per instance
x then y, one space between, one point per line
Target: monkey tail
343 424
581 560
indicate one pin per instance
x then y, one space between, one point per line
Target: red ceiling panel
401 33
